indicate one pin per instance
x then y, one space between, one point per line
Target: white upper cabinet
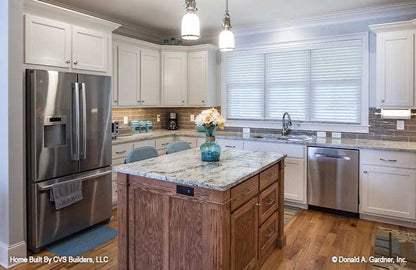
174 78
202 77
395 59
395 71
136 73
47 42
150 78
128 76
89 49
66 40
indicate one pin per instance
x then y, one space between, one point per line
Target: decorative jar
210 150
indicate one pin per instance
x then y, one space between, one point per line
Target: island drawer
244 192
269 176
268 202
121 150
267 236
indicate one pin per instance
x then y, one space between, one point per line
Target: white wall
12 175
305 33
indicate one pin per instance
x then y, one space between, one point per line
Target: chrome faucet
286 125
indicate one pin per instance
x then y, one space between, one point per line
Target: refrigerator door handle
75 122
83 149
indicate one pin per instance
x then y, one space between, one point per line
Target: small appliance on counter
172 121
114 129
149 126
125 131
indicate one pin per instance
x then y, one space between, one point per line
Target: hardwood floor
312 239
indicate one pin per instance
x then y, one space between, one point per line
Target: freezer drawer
46 224
333 178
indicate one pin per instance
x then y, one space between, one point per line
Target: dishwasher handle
340 157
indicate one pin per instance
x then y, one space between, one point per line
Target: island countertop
186 168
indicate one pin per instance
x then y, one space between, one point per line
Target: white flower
210 117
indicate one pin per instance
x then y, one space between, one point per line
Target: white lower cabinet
231 144
295 180
295 170
192 141
389 192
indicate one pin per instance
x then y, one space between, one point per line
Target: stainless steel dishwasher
333 180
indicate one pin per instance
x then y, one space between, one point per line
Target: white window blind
321 83
245 86
336 84
287 85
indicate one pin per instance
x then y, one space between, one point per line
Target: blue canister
136 126
149 126
142 125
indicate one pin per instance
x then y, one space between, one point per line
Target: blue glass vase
210 150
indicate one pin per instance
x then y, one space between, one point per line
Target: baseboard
398 222
18 250
296 204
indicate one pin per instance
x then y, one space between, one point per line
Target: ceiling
165 16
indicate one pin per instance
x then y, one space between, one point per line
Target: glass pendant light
190 22
226 36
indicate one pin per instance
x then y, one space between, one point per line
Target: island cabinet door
244 236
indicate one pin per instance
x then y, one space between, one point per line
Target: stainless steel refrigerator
68 139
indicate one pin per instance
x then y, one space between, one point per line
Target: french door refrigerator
68 139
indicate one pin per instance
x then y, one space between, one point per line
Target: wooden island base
206 229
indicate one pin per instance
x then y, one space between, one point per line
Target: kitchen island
177 212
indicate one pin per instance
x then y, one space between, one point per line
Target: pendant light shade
190 22
226 42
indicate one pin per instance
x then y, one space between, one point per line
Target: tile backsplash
380 129
150 114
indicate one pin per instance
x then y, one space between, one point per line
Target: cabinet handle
365 172
115 101
270 202
165 144
230 146
75 62
68 61
250 190
121 152
269 234
388 160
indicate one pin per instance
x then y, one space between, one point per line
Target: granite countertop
322 142
186 168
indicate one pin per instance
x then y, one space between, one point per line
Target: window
319 83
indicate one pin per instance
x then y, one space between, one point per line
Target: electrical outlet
158 118
246 130
126 120
400 125
192 117
321 134
336 135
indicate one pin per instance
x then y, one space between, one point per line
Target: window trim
321 42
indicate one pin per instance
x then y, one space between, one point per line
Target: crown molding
395 26
52 11
126 28
354 15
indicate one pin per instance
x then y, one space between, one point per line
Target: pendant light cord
226 6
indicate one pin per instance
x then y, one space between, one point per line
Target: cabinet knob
382 101
365 172
75 62
115 101
142 101
68 61
183 101
203 101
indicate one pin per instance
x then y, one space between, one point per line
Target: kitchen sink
292 138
